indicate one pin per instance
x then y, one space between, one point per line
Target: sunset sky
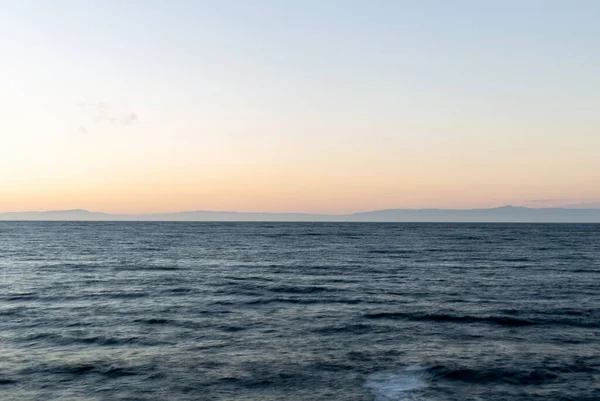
301 106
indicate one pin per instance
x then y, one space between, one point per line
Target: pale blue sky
482 89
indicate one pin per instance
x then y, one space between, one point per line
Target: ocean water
302 311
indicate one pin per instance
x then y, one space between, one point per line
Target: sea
299 311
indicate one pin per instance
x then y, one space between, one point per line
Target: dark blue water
276 311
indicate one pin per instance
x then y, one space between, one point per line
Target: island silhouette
504 214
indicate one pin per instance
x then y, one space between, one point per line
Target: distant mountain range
504 214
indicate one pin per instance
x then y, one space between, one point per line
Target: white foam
397 385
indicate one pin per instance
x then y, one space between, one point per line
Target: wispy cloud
387 141
127 119
547 201
103 112
584 205
565 203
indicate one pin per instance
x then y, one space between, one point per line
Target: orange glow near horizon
285 189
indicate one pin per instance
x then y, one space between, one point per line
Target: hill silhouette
504 214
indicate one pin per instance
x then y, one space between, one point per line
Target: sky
298 106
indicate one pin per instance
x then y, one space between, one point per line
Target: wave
5 381
136 268
302 301
515 259
109 371
490 375
180 290
536 376
287 289
499 320
11 311
404 384
349 329
153 321
28 296
104 341
585 321
391 251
